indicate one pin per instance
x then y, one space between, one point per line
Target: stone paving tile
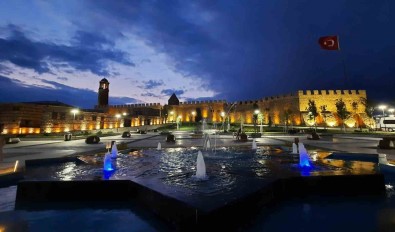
58 148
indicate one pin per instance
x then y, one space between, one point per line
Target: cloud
169 92
62 78
151 84
201 99
261 48
5 70
145 61
87 52
15 90
150 95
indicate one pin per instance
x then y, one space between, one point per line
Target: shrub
243 136
165 133
99 133
256 135
126 134
170 138
92 139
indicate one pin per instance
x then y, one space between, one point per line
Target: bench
387 143
12 140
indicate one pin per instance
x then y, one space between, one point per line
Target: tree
354 106
287 116
255 115
260 120
369 108
323 113
341 111
312 109
199 116
164 113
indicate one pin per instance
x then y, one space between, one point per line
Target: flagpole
344 64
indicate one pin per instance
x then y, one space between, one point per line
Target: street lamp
260 118
256 112
118 116
391 111
223 119
383 107
172 117
178 122
74 112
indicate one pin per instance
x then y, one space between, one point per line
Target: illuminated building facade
56 117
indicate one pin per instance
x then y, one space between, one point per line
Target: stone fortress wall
22 118
275 108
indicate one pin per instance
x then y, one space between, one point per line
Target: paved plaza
40 148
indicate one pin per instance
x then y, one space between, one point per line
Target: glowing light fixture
74 112
382 107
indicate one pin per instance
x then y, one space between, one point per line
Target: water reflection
225 167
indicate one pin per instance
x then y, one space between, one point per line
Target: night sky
230 50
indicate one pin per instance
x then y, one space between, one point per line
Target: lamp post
178 122
193 116
383 107
172 115
256 112
74 112
260 118
391 111
118 116
223 119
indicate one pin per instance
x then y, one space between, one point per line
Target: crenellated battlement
284 96
135 105
202 102
331 92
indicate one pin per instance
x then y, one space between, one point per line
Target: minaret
102 100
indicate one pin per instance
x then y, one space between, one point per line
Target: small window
54 115
94 117
63 116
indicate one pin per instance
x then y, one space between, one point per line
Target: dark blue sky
232 50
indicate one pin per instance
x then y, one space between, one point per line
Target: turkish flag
329 42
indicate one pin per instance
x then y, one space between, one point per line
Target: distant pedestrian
238 134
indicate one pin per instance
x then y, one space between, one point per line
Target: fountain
204 125
383 159
207 143
159 147
200 167
237 175
294 148
114 150
254 147
304 161
107 163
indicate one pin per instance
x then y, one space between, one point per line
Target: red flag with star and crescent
329 42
